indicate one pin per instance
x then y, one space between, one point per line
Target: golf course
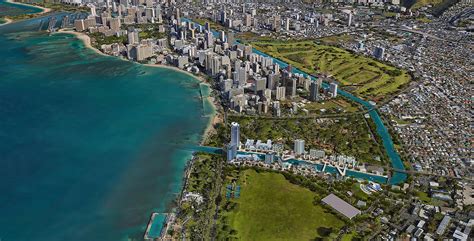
363 76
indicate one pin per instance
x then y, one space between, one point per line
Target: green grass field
361 75
271 208
422 3
214 25
332 106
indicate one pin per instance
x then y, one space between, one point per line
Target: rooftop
341 206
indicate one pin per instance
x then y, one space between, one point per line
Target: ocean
90 145
10 9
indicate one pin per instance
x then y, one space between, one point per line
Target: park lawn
358 193
315 107
272 208
335 39
251 36
422 3
423 196
213 25
333 104
349 236
372 79
424 20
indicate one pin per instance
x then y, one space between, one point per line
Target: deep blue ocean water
89 144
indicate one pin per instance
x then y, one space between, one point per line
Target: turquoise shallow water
89 145
10 9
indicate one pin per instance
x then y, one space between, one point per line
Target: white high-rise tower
235 134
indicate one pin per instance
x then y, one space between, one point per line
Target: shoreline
212 121
86 40
7 21
43 9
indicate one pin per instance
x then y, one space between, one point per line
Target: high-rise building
230 38
307 83
158 14
89 22
235 134
222 36
276 68
115 24
333 89
143 51
268 94
242 75
104 18
209 39
269 158
280 93
276 23
299 147
247 51
314 91
271 81
231 152
178 15
293 87
223 16
260 85
316 154
379 52
215 65
133 37
248 20
149 3
79 25
93 11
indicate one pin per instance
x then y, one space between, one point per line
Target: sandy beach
177 69
213 121
7 21
210 130
87 42
44 10
84 38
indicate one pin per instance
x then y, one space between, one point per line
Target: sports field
272 208
363 76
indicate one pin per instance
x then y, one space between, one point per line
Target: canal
382 131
